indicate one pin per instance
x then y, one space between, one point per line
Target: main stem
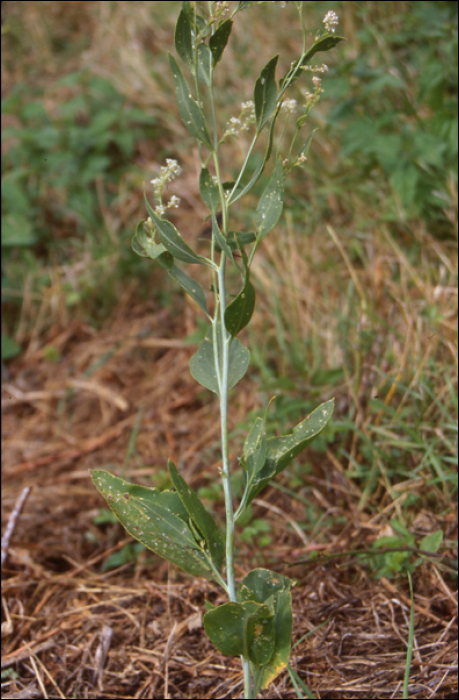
223 374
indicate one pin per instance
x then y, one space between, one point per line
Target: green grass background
357 289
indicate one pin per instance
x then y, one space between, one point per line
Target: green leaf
145 246
239 312
190 286
201 518
239 239
305 150
208 190
220 238
10 348
218 41
264 586
253 180
280 451
265 93
202 364
324 44
190 112
156 519
238 629
183 42
205 64
271 203
172 240
432 541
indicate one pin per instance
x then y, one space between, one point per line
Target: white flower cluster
241 123
168 173
331 21
289 106
316 69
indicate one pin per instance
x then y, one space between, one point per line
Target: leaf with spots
280 451
269 588
201 517
172 240
190 286
157 519
239 312
203 364
271 203
265 93
189 110
242 629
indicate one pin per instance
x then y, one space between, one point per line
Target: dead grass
70 628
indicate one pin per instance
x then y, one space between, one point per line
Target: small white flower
316 80
160 209
331 21
289 106
174 202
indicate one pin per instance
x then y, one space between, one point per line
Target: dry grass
71 628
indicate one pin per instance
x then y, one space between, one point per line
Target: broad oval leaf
265 93
271 203
190 112
237 629
172 240
156 519
264 586
203 369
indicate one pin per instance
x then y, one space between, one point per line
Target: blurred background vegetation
358 293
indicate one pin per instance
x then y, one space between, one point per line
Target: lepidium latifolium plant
256 622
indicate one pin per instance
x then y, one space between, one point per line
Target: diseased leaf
202 364
205 64
219 40
238 629
208 190
183 43
172 240
239 312
268 587
156 519
190 286
201 517
190 112
280 451
271 203
265 93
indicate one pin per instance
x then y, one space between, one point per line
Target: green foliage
52 159
397 551
398 123
173 524
256 623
